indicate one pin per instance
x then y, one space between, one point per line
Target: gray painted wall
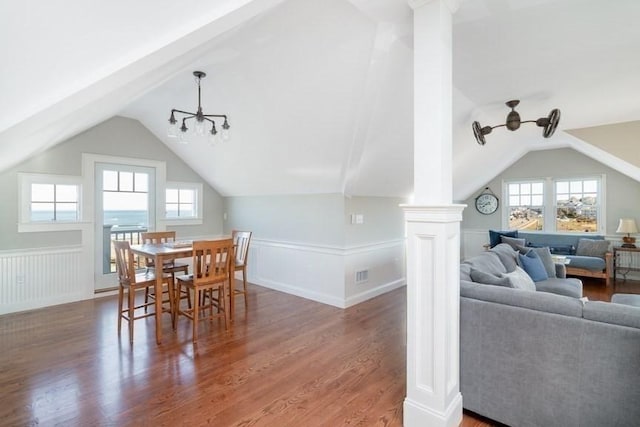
622 192
118 136
320 219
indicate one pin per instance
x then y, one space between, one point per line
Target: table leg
158 291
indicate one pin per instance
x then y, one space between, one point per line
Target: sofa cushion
480 276
494 236
532 264
508 256
591 247
539 301
618 314
568 287
514 242
586 262
520 280
545 256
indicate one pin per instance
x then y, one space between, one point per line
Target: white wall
307 246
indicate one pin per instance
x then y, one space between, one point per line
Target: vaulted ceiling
319 93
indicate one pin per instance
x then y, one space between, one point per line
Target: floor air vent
362 276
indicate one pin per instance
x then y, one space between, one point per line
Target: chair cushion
587 262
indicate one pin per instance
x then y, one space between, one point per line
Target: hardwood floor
287 361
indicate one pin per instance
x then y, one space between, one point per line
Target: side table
625 260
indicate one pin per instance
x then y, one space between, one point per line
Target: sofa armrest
561 271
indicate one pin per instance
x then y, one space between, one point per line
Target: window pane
186 210
590 199
187 196
42 212
42 192
514 189
126 181
590 186
525 200
562 187
66 193
537 200
66 211
525 219
172 210
172 195
575 187
514 201
537 188
525 188
141 182
110 180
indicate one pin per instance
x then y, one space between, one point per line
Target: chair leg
172 301
132 303
120 298
222 300
196 310
146 298
244 285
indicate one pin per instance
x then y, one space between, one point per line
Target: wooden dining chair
241 240
212 261
130 282
170 266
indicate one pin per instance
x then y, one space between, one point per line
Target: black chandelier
513 122
200 117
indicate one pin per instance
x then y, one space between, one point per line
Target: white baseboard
372 293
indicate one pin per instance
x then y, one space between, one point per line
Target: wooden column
433 231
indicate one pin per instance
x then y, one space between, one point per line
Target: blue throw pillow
495 236
532 264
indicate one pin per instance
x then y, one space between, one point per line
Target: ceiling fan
513 122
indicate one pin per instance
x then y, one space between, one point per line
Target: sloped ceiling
319 94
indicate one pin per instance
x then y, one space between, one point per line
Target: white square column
433 230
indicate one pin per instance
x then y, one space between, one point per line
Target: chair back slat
211 260
124 262
241 241
157 237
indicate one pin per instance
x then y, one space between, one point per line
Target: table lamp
628 226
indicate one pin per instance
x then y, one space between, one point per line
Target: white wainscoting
324 273
40 277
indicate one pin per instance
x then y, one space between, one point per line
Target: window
49 202
525 205
183 202
577 205
563 205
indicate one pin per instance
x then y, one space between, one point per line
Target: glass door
124 210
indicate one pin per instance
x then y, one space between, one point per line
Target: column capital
433 213
452 5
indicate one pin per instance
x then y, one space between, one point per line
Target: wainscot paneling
327 274
40 277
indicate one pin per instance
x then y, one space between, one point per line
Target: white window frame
550 201
197 187
25 224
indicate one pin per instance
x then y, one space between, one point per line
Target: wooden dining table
169 251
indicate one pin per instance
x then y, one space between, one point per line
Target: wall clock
487 202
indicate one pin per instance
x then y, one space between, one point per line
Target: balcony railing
130 233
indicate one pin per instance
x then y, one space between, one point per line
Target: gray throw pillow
512 241
591 247
508 256
520 279
545 256
480 276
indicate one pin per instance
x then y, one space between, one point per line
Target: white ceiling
319 93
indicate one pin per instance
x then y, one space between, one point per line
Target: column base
415 414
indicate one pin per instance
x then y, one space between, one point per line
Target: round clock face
487 204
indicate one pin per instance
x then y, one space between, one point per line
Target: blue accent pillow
495 236
532 264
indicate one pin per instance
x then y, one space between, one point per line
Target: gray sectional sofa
539 358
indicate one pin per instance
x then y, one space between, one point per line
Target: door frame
89 162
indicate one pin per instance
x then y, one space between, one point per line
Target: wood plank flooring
286 361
